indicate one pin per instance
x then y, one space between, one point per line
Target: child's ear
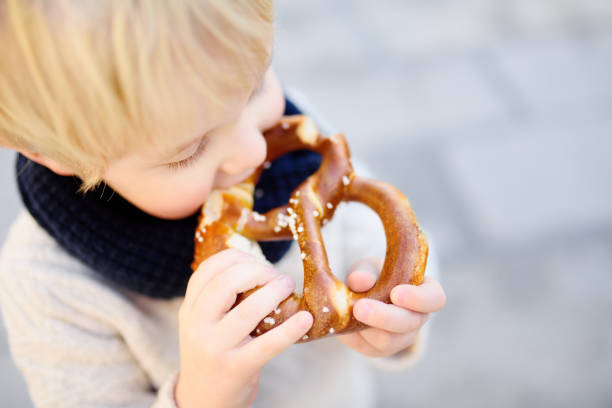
54 166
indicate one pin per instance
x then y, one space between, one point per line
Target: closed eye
189 161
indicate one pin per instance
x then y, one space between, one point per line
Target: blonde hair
84 82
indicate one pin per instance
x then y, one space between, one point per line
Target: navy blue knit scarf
140 252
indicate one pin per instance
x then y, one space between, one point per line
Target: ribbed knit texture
140 252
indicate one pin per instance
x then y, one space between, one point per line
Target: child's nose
248 153
233 167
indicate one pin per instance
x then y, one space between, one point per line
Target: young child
126 115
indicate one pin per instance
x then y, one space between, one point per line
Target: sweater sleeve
61 333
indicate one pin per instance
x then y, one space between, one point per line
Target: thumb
363 274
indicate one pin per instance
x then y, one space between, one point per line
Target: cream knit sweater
81 341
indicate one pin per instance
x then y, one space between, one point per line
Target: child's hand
220 362
395 326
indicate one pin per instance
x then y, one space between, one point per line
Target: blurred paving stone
15 393
331 42
556 72
413 28
412 100
525 329
567 14
535 180
12 385
429 27
10 203
416 170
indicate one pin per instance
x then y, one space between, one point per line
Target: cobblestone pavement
495 118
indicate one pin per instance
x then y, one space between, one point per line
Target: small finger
360 281
359 344
364 274
242 319
209 268
428 297
264 348
386 342
220 294
388 317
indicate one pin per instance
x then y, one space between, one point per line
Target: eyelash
189 161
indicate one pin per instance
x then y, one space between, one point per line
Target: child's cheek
175 199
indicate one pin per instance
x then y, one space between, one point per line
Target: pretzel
227 220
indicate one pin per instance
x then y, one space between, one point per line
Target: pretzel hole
350 218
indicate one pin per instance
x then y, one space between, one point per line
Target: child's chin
172 213
175 215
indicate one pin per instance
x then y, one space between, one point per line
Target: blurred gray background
495 118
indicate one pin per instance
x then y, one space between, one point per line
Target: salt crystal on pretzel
228 221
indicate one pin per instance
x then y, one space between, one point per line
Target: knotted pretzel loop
227 220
